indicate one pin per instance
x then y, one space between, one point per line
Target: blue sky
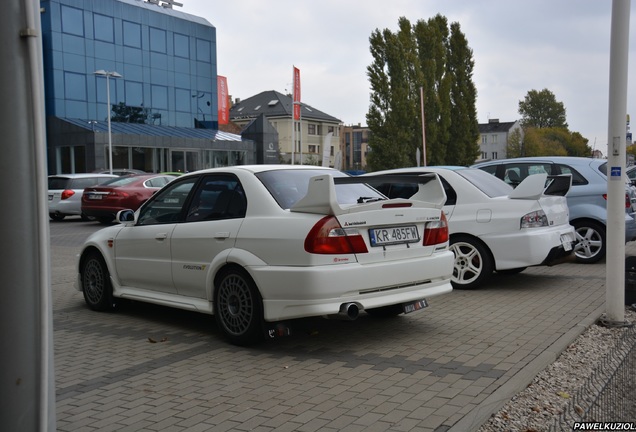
561 45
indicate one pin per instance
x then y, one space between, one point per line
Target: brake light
67 194
118 194
436 232
628 202
328 237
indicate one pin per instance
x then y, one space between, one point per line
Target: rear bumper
531 247
295 292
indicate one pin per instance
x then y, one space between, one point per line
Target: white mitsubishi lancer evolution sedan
255 245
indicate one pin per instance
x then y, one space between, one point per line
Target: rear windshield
120 181
62 183
289 186
487 183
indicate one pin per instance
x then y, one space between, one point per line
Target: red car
129 192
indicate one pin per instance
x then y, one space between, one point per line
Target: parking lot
446 368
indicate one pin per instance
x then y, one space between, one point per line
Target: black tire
385 311
512 271
238 307
56 216
105 220
473 262
590 242
96 286
86 218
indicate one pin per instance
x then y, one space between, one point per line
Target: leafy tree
128 114
463 147
430 57
540 109
547 142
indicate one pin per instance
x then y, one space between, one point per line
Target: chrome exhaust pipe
348 312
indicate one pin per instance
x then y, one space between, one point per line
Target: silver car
66 190
587 198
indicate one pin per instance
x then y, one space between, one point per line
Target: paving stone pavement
446 368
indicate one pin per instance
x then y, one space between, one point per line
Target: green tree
549 142
421 57
463 147
540 109
392 115
432 41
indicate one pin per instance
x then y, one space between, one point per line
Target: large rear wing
321 195
536 185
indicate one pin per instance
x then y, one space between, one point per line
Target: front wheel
590 242
473 264
238 307
56 216
96 286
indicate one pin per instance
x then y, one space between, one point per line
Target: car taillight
67 194
628 202
116 194
436 232
328 237
534 219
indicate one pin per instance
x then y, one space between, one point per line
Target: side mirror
124 216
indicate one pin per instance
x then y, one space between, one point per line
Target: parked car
631 174
127 192
492 226
65 193
587 198
255 245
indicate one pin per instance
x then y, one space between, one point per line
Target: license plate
50 197
566 242
94 197
393 235
414 306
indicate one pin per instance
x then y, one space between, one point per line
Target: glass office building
157 68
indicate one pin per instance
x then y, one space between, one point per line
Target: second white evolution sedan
494 227
255 245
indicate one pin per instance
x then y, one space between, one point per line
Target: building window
134 93
72 21
132 34
103 28
330 129
159 97
75 86
157 40
484 155
203 50
311 149
484 139
311 129
182 100
493 139
181 46
494 155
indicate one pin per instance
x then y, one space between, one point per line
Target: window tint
166 206
289 186
217 197
577 179
491 186
83 183
132 34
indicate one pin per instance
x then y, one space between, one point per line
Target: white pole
615 258
110 139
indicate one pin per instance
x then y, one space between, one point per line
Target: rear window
120 181
83 183
58 183
488 184
289 186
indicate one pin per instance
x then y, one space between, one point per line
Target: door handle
222 235
161 236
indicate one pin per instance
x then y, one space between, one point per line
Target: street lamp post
108 75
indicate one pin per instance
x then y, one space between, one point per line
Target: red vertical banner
296 93
224 106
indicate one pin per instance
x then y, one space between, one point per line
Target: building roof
153 130
163 9
274 104
495 126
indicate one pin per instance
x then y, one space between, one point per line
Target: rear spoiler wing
321 193
536 185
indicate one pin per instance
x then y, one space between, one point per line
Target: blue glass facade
167 59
